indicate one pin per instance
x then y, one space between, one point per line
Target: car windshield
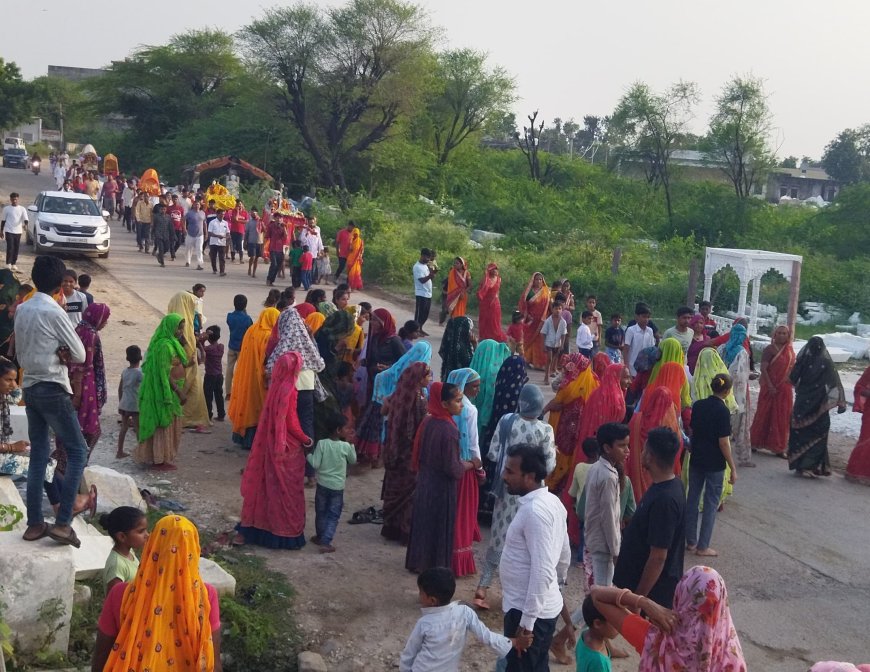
16 152
70 206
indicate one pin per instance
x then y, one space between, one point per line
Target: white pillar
708 285
741 302
756 292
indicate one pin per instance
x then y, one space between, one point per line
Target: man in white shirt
127 197
59 174
637 337
681 330
218 232
45 343
535 559
423 275
11 228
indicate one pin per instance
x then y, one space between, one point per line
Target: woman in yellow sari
355 259
195 413
354 343
314 321
534 305
167 617
249 380
458 284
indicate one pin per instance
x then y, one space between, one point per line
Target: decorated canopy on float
110 164
89 158
221 162
150 182
223 199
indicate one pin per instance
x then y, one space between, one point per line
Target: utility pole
62 143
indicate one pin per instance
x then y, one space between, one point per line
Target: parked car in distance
68 222
16 158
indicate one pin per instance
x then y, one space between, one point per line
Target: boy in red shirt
176 215
306 264
238 218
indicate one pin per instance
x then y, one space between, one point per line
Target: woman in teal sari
487 361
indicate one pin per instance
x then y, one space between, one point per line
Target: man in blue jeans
45 343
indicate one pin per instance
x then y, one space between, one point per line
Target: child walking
438 639
128 528
128 397
553 330
324 266
585 341
515 333
330 459
306 267
213 382
238 322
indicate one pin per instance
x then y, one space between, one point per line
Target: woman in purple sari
88 379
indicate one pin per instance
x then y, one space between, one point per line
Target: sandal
479 600
43 532
360 517
70 539
377 517
805 474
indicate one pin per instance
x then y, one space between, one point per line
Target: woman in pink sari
489 306
273 511
88 379
771 426
858 468
534 305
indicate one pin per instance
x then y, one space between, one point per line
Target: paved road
794 553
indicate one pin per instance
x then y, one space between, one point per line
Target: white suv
68 222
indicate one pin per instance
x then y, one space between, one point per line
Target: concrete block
309 661
114 489
18 419
9 496
33 573
81 594
84 528
211 572
90 559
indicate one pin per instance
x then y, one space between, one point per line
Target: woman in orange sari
355 260
858 468
489 306
672 377
658 410
534 305
458 284
770 428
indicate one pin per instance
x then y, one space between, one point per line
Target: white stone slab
90 559
33 573
114 489
211 572
18 418
9 495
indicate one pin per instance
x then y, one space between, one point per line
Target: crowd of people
646 434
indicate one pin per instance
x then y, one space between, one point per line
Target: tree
528 143
471 94
790 161
15 94
161 88
847 157
739 132
648 126
55 98
346 74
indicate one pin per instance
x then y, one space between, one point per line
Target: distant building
800 184
686 164
74 74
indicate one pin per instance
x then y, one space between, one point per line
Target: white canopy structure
750 265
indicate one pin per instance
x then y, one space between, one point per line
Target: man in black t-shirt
650 559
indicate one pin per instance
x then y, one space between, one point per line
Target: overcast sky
570 57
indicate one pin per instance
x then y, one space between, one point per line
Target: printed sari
770 428
534 306
355 260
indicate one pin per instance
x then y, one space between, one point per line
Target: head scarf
600 362
817 383
306 309
436 411
335 329
294 337
326 307
407 408
606 404
646 359
489 283
314 321
184 303
735 343
194 410
461 378
531 401
709 364
93 319
165 610
158 403
386 381
672 377
671 351
578 382
704 639
387 327
508 383
487 360
456 349
697 318
249 379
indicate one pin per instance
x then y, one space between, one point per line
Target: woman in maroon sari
88 379
489 306
770 428
405 410
858 469
273 511
535 305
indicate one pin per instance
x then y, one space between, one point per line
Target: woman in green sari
161 395
487 361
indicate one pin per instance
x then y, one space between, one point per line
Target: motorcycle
34 166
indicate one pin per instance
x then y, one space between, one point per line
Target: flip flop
360 517
92 505
70 539
42 534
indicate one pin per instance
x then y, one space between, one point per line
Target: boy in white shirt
585 339
11 227
438 639
553 330
218 233
637 337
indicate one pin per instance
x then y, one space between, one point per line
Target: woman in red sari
273 511
658 410
489 306
355 260
458 284
858 468
534 305
770 428
600 362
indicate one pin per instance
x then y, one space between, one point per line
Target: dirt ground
356 606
